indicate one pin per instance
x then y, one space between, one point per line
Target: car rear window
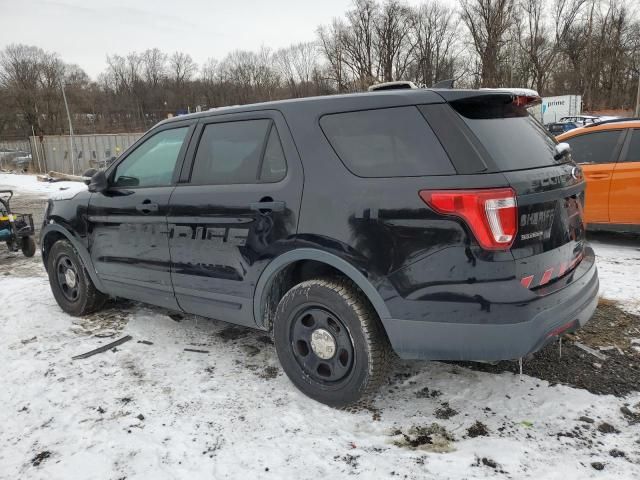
513 138
388 142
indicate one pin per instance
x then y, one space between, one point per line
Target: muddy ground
616 369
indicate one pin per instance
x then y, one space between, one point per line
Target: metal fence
51 152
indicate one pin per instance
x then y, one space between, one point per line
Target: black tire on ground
28 246
344 367
74 292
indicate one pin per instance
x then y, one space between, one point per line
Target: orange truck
609 154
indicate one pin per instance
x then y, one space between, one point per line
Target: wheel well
291 275
48 242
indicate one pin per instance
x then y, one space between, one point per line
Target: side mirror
561 150
88 174
98 182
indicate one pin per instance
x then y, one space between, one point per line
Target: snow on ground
158 411
619 269
30 185
232 413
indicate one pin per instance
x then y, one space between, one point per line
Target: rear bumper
521 327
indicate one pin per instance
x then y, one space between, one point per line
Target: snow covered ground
619 269
153 410
28 184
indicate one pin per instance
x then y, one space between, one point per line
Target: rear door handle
273 206
147 207
598 176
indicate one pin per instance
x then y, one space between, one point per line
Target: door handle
598 176
268 206
147 207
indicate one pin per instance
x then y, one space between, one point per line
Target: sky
85 31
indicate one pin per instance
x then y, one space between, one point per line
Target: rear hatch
548 186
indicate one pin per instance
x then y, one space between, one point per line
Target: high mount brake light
526 101
490 213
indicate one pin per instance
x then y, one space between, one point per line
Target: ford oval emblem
576 173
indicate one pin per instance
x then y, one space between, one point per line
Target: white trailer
553 109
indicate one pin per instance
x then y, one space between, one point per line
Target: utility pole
66 106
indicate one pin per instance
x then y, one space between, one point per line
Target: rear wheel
70 282
330 341
28 246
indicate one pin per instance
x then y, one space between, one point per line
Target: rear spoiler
399 85
523 97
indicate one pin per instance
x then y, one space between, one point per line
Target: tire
75 293
28 246
315 322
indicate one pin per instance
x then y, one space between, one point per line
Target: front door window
152 163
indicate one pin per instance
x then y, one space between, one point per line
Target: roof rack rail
613 120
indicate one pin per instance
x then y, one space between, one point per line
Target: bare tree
296 64
182 68
154 66
20 70
359 41
540 39
434 32
488 21
333 49
394 43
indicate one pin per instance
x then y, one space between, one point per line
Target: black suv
439 224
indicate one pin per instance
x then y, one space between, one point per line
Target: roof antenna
444 84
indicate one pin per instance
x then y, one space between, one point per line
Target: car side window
274 165
596 147
152 163
633 152
388 142
247 151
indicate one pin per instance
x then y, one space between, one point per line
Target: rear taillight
490 213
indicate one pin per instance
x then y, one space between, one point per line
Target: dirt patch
426 393
610 332
269 373
351 460
433 438
266 339
445 412
40 457
104 324
606 428
478 429
233 333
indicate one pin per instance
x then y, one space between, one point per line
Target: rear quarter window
388 142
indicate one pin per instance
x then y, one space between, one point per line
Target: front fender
52 228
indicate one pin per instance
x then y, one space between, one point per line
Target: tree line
586 47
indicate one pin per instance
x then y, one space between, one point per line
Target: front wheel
70 282
330 341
